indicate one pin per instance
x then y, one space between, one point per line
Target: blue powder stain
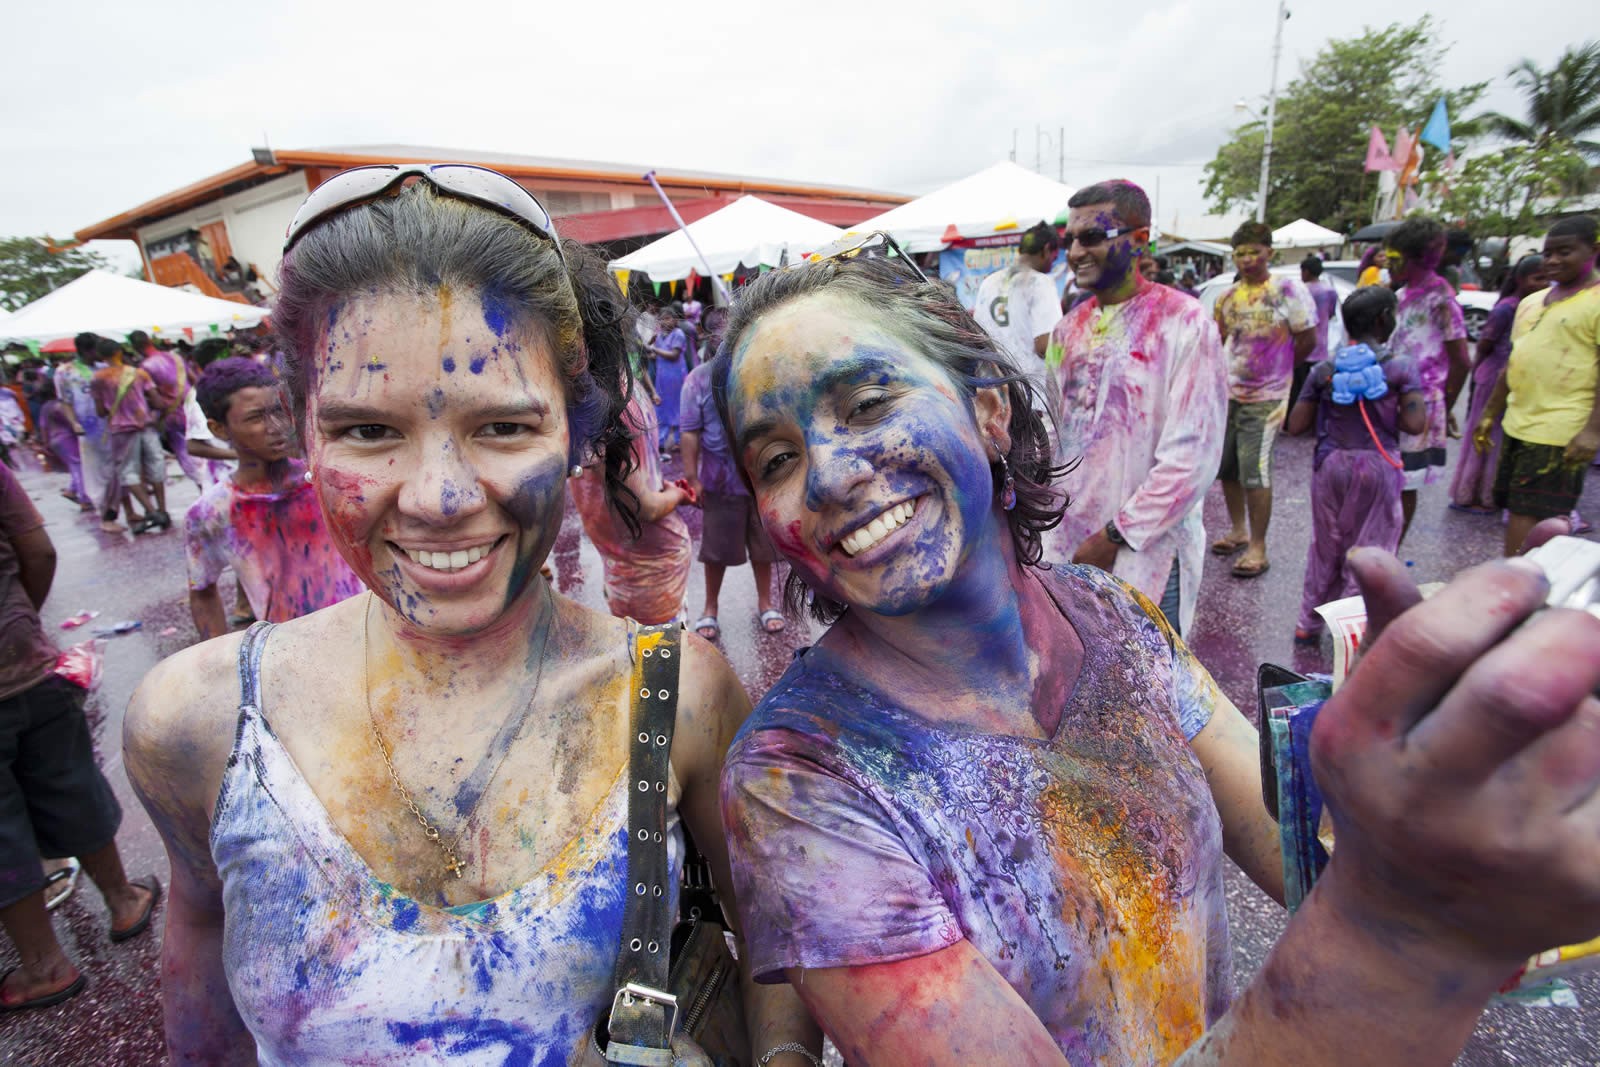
478 363
498 311
452 1037
436 403
373 366
449 365
405 914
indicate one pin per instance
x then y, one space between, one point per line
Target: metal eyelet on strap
639 889
661 787
636 944
647 653
658 891
657 837
644 737
645 693
666 653
654 948
661 739
644 835
663 694
644 786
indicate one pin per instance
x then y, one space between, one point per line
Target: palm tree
1563 103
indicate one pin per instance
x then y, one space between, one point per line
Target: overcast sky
110 104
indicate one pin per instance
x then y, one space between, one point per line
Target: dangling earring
1008 490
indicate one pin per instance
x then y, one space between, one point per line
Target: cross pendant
453 865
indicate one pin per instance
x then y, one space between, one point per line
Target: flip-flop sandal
708 622
152 883
56 894
1227 546
770 616
49 1000
1240 570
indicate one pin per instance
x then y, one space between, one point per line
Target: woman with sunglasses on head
406 839
982 820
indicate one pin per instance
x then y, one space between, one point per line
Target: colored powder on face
477 364
436 403
498 312
449 365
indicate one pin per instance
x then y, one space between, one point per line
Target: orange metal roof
517 166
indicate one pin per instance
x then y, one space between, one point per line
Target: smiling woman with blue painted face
399 827
983 819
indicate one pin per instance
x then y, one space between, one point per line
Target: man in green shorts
1267 324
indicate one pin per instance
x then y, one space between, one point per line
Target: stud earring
310 476
575 471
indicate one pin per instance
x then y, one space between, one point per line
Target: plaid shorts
1536 480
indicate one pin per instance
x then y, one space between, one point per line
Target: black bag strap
643 1011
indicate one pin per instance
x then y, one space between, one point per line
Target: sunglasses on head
875 245
464 181
1094 236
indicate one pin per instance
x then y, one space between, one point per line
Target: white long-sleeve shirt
1144 402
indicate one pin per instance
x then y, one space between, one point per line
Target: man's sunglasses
479 185
875 245
1095 236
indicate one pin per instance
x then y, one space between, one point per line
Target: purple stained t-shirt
1259 323
697 413
1340 426
1086 867
1326 301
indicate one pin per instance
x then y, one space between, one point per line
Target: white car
1475 303
1212 291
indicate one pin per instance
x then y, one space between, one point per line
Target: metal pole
1272 111
716 279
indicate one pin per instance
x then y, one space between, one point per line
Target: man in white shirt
1144 398
1019 306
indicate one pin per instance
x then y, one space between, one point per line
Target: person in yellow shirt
1550 389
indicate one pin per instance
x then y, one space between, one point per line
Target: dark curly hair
929 315
1419 239
1252 233
419 239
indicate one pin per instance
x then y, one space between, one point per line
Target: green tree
30 267
1563 103
1509 192
1387 78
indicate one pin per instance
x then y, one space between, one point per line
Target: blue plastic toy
1357 375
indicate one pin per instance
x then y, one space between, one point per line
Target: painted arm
1460 366
175 766
1582 448
1302 417
655 502
1413 413
207 450
950 1008
1305 341
1190 446
1228 750
1467 709
1493 409
210 617
712 707
36 556
691 458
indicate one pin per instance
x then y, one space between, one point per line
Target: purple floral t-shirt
1086 868
1428 316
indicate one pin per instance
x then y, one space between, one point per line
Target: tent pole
716 279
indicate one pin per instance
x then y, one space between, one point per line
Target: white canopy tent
114 306
750 232
1303 233
1004 198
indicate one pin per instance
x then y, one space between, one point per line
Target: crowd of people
982 819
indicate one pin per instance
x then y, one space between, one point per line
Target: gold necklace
452 860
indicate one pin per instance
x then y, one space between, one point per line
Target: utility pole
1272 111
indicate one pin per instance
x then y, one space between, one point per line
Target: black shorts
731 531
1536 480
54 802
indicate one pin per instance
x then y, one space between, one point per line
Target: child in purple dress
1361 401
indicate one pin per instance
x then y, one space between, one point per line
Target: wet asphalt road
117 1020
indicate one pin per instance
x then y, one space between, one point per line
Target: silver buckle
632 991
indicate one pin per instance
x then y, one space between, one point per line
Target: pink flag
1404 146
1378 157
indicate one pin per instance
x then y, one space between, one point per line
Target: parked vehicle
1475 303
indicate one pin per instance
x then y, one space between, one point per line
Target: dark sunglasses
1094 236
875 245
464 181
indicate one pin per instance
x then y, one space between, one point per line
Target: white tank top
328 964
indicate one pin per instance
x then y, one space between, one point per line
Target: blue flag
1437 131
